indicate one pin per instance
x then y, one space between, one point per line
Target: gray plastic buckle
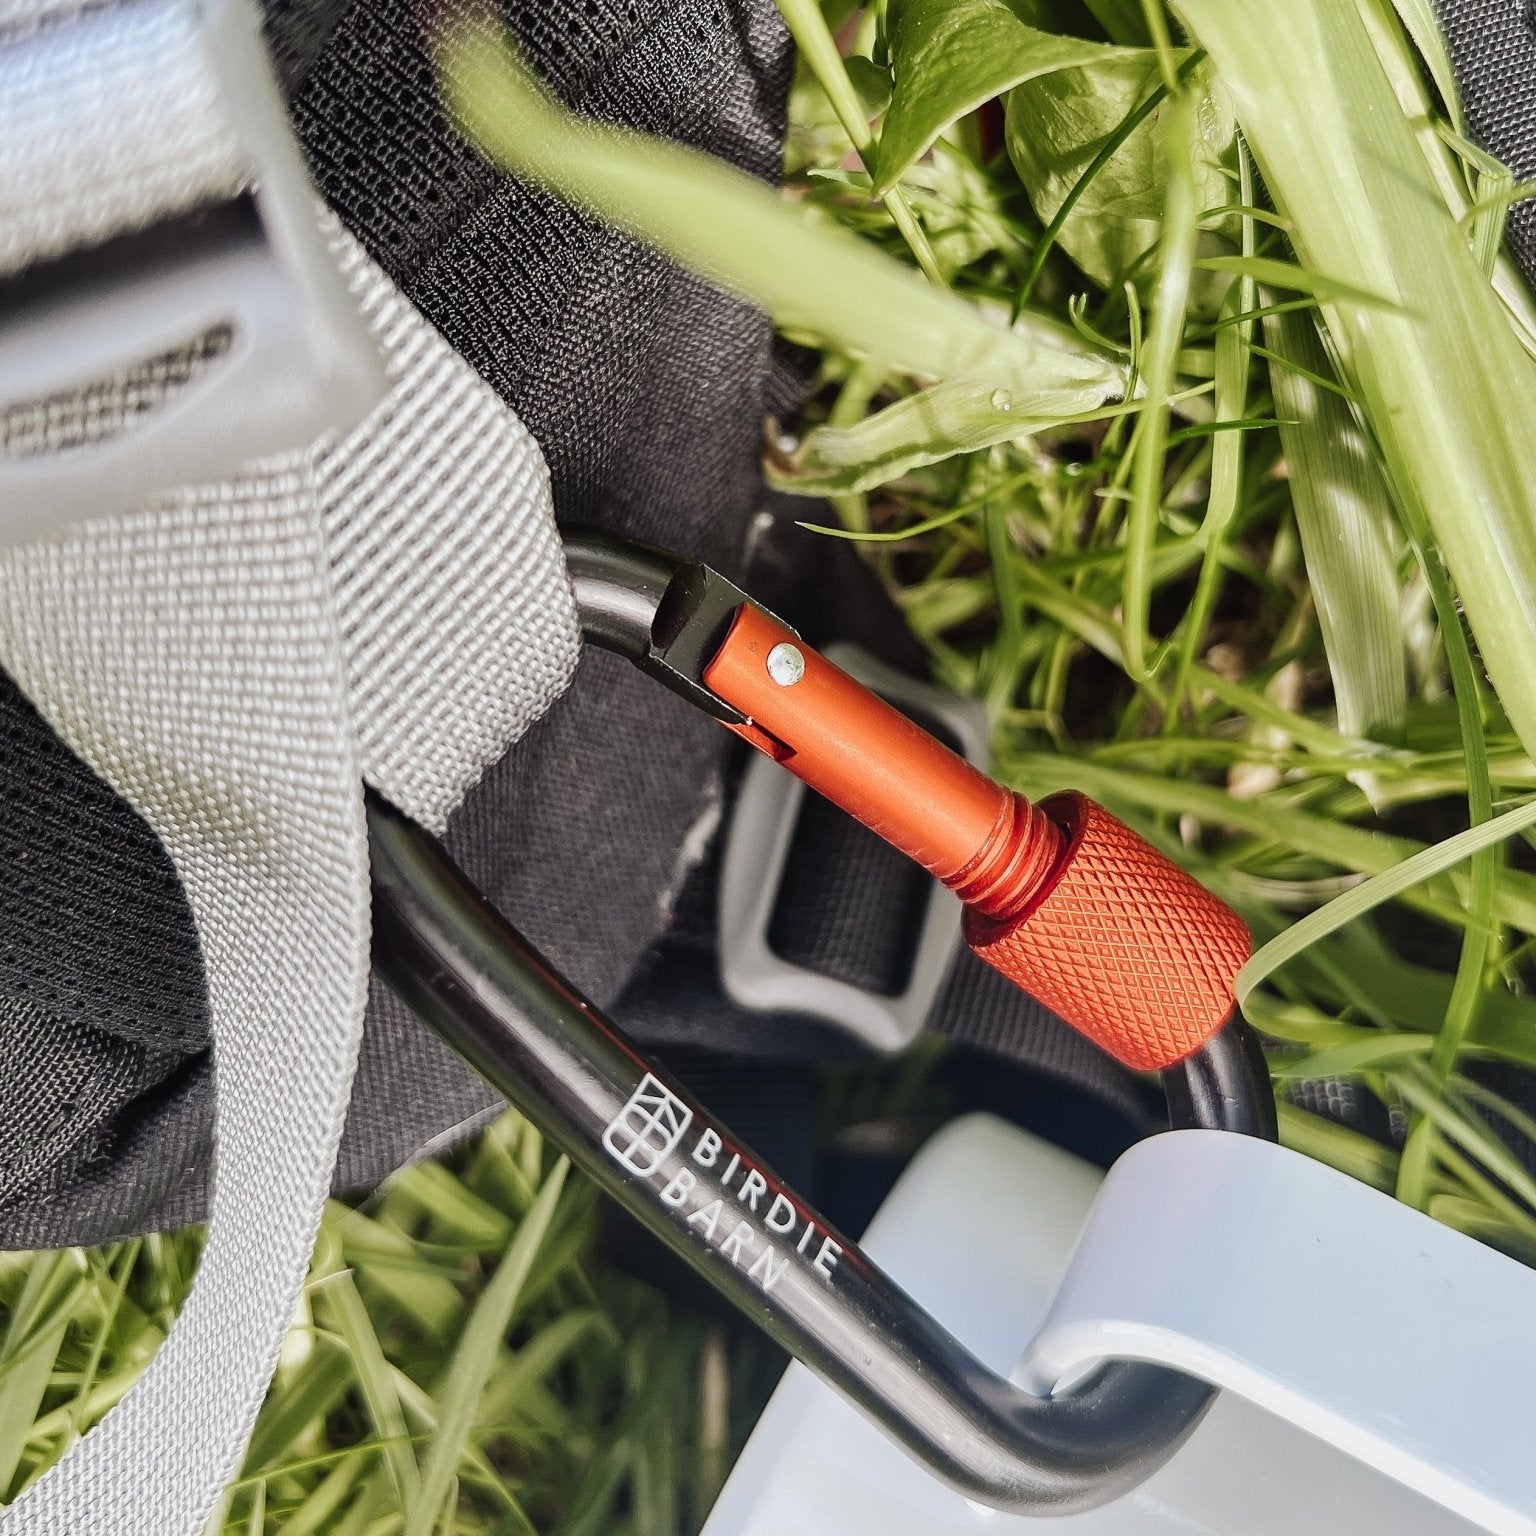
757 843
300 363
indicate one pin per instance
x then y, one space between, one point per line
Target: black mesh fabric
1493 50
97 934
644 388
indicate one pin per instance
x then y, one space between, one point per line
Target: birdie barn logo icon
738 1212
642 1135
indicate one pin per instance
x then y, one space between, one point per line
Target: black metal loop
666 1160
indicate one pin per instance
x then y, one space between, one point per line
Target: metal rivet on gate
786 666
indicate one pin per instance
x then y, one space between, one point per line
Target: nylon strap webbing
234 661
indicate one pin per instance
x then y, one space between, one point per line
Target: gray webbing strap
234 659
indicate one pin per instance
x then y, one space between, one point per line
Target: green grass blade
1477 943
375 1380
1355 1056
320 1508
32 1339
299 1399
1413 871
1448 389
926 428
1232 366
740 234
475 1355
1177 250
808 26
1319 837
1287 275
1423 26
1348 531
1348 1151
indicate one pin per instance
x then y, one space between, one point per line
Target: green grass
459 1362
1181 402
1270 595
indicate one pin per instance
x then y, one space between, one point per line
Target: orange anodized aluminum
1062 898
980 839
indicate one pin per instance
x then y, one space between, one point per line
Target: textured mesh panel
58 1095
94 929
649 387
1493 48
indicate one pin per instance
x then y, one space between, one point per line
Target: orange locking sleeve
1119 941
1062 898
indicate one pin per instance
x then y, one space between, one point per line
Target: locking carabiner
1061 897
660 1154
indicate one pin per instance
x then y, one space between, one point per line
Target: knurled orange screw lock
1061 897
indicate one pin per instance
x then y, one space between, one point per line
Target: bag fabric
645 390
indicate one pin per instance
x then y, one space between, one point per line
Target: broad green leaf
1348 532
924 428
951 56
872 83
740 234
1447 388
1056 124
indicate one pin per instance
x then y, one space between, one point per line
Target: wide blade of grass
926 428
1447 388
369 1367
1413 871
1177 253
32 1339
1433 881
742 235
1342 1148
1348 531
